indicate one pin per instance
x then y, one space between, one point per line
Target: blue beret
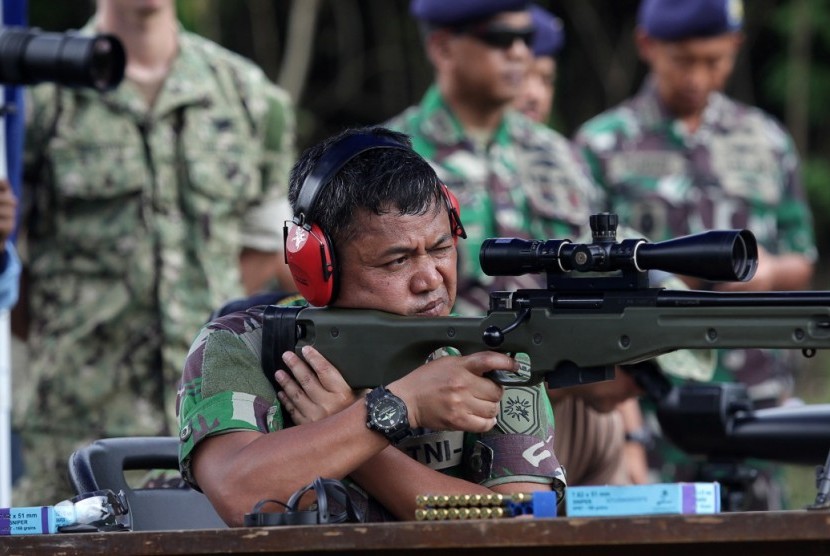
683 19
455 12
550 36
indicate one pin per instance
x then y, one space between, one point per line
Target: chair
101 465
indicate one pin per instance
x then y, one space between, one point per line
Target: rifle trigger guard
494 336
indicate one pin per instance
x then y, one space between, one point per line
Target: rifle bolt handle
493 336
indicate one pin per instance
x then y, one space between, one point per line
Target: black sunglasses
498 36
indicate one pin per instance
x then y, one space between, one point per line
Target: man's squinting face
536 97
400 264
687 72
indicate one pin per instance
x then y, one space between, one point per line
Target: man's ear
439 47
645 45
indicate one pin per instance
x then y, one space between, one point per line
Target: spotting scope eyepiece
30 56
716 255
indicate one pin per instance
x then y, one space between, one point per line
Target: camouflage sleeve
262 225
795 220
223 388
520 447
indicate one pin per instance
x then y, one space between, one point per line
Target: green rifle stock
597 312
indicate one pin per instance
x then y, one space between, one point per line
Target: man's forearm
792 272
395 480
237 470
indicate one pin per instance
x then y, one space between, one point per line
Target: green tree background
358 62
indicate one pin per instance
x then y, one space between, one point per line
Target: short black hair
381 181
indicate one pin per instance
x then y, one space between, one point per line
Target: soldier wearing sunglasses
512 176
536 98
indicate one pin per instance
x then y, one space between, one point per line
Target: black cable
323 490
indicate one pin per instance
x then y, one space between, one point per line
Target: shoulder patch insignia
519 410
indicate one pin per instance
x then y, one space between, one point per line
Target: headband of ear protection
307 247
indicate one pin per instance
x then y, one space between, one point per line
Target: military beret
550 35
673 20
455 12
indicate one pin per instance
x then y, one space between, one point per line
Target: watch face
388 413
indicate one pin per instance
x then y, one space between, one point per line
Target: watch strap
396 435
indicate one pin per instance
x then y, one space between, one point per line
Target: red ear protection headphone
307 247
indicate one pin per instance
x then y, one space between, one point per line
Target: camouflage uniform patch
519 410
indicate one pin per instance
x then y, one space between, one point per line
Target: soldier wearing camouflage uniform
673 167
394 251
681 157
512 177
143 200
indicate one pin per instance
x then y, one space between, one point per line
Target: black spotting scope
719 422
716 255
29 56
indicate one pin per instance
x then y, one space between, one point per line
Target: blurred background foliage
358 62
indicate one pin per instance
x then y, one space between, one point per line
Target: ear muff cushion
454 210
311 262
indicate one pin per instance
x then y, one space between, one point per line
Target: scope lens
739 256
745 256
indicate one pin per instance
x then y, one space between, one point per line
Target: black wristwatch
386 413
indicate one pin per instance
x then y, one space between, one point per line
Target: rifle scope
29 56
716 255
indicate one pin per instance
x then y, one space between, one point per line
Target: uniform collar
654 115
184 85
440 125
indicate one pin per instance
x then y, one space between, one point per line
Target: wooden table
736 534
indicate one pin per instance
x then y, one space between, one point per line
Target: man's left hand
316 390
